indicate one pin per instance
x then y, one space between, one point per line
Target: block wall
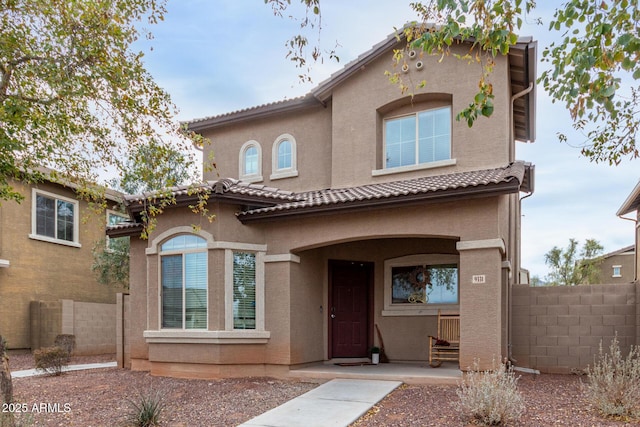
559 329
93 324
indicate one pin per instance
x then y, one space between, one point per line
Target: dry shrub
614 382
490 398
66 341
51 359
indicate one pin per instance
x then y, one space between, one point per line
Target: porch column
481 319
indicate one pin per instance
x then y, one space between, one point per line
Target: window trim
290 172
417 165
391 309
253 177
614 267
76 219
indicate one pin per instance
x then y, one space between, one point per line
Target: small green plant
375 350
614 382
490 398
51 360
145 412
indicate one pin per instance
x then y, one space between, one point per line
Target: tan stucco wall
339 145
44 271
296 293
357 124
311 129
626 262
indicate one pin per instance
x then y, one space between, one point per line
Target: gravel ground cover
100 397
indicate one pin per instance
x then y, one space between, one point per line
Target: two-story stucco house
46 244
351 207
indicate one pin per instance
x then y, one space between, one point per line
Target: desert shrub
51 359
490 398
614 382
145 412
66 341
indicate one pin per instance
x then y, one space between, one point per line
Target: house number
477 279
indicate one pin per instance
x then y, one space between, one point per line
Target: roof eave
259 112
632 203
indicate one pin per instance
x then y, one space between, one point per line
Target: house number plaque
478 279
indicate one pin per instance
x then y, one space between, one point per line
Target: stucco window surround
250 162
229 335
55 218
617 271
418 308
284 157
415 134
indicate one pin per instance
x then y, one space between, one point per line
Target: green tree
74 93
595 67
573 266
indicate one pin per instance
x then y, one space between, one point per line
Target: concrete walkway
34 372
336 403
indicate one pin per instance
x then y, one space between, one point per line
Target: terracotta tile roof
269 202
463 183
227 186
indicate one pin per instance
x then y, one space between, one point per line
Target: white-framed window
420 284
419 138
284 157
617 271
250 164
54 218
183 278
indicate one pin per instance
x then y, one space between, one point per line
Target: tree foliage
74 94
573 266
595 67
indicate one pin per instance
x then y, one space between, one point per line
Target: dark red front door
349 310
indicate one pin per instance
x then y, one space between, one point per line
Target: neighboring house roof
522 71
632 203
262 202
630 249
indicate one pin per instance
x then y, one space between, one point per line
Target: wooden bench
446 345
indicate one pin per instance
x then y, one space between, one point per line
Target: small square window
617 271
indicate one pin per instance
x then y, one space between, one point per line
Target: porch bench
446 345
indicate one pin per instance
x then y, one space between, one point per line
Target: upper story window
419 138
54 218
250 167
183 272
284 157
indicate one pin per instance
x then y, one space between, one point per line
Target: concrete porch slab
409 373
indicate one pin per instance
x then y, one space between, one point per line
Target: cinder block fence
93 324
559 329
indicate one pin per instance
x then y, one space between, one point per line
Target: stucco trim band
469 245
207 337
282 258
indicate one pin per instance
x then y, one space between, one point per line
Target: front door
349 312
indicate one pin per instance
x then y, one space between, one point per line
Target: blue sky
217 56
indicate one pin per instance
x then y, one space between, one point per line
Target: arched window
250 166
183 277
284 157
